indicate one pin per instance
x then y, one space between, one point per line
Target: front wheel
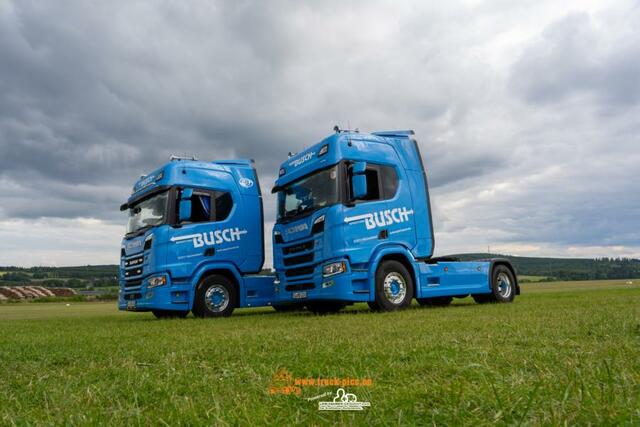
216 296
394 287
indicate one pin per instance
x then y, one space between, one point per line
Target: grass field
562 353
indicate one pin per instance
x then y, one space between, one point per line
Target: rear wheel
216 296
435 301
394 287
503 286
325 307
170 314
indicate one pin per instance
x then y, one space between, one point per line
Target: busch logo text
211 238
382 218
305 158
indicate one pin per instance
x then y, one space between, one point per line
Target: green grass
562 353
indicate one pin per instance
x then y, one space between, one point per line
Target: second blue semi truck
353 225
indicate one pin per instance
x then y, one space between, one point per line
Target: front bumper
352 286
171 296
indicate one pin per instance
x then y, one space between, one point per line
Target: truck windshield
309 193
147 213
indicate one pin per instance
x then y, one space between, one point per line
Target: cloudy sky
527 113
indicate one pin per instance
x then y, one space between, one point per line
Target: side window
373 187
208 206
389 179
200 207
223 205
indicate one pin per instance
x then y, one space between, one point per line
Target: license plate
131 305
299 295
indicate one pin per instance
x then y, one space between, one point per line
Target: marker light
323 150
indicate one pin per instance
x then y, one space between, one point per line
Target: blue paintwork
352 231
178 252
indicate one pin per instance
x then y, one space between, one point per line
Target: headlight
334 268
157 281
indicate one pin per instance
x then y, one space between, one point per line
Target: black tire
170 314
287 308
503 287
325 307
435 301
216 296
387 300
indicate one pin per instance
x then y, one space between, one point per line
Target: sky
527 113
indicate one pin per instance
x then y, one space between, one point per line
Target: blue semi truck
353 225
195 241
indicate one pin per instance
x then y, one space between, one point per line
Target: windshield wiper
297 213
138 232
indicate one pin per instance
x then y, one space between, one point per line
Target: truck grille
132 283
304 271
298 259
133 262
133 270
299 287
300 247
301 259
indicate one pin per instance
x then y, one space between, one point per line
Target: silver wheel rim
504 285
395 288
216 298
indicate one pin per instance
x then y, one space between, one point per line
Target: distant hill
89 276
539 269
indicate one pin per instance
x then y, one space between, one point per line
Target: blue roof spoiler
244 162
395 133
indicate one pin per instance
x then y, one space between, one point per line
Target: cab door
362 233
212 231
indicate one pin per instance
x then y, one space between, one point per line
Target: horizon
271 268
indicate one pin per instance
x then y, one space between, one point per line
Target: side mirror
359 180
184 207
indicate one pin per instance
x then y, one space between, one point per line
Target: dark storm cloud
97 94
507 102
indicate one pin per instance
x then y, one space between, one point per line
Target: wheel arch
227 270
395 253
504 262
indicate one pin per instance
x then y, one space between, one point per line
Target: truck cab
354 224
194 240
